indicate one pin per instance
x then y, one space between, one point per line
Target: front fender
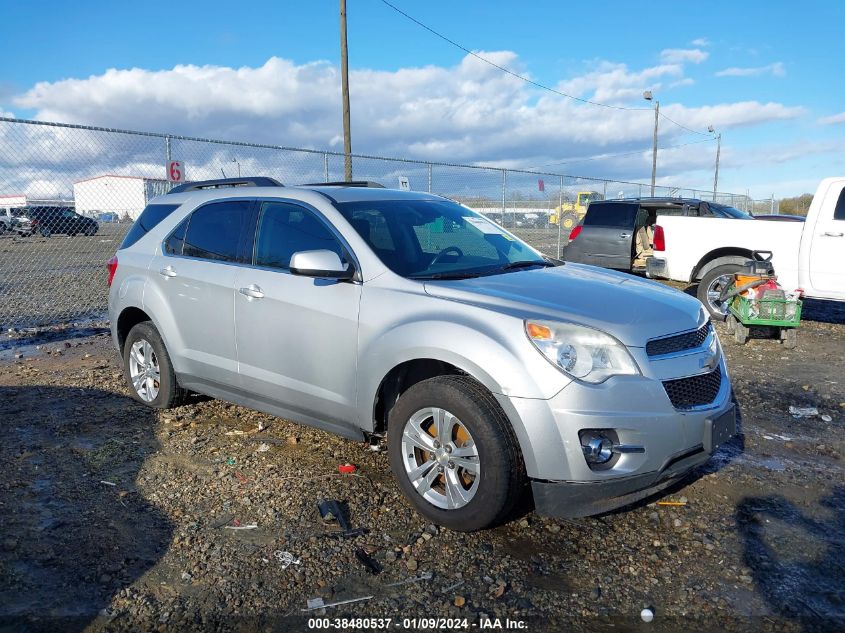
479 349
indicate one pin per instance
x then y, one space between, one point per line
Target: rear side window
149 218
611 214
839 211
219 231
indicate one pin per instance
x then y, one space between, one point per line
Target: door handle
832 234
624 235
252 292
167 271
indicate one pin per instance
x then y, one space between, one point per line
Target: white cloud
833 119
776 69
681 55
468 112
700 42
686 81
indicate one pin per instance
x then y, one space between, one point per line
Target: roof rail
345 183
254 181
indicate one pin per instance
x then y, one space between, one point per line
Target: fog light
598 449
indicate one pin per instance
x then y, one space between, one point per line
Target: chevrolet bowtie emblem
711 362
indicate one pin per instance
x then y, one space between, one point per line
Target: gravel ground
114 517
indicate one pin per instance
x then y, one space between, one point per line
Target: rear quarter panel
691 239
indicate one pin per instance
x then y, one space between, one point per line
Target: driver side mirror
320 263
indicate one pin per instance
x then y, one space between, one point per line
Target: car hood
633 310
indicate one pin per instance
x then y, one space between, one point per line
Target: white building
22 200
123 195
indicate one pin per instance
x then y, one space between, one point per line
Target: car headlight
581 352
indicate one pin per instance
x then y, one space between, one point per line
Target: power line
619 155
526 79
510 72
683 126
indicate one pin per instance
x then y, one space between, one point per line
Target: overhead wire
528 79
619 155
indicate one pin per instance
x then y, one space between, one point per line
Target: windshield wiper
447 275
525 264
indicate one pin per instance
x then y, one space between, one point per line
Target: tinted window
284 229
425 238
839 211
724 211
173 244
611 214
150 217
217 231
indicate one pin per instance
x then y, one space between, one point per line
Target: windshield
724 211
436 239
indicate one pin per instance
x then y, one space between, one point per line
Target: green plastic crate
777 312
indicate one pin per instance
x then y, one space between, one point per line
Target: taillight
575 232
659 239
112 266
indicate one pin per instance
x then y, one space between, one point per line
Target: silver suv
370 312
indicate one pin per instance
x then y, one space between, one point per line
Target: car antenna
223 172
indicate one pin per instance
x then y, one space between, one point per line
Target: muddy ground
114 517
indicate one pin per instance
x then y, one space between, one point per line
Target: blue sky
767 74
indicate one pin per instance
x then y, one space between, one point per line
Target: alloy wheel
440 458
714 292
144 370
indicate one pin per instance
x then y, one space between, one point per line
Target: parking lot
119 518
55 279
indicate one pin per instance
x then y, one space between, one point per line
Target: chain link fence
83 187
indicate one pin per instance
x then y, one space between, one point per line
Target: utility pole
716 176
344 74
648 97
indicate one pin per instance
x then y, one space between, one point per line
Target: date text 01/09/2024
416 624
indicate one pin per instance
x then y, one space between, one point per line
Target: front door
195 278
827 250
297 337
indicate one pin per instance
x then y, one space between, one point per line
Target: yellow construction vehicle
571 212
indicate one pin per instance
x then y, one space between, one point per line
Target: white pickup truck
809 255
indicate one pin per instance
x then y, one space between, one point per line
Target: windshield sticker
485 226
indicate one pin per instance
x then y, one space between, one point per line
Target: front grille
678 342
695 391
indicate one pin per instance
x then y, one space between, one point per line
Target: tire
477 423
91 231
740 334
731 323
168 393
569 220
2 228
789 337
45 231
713 282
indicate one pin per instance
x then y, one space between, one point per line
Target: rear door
606 236
195 273
297 337
827 250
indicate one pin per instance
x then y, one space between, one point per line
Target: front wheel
568 220
789 337
711 286
148 370
45 231
454 453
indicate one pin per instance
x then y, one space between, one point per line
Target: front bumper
578 499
